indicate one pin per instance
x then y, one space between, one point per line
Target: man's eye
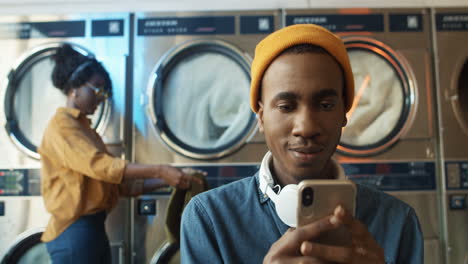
285 107
327 105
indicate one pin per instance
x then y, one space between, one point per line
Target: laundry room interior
177 93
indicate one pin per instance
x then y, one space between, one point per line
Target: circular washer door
168 253
460 100
30 99
27 249
384 101
199 99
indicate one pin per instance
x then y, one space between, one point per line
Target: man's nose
306 124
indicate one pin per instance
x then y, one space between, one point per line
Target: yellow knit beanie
271 46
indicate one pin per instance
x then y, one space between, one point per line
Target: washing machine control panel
19 182
28 30
452 21
456 174
393 176
341 23
385 176
204 25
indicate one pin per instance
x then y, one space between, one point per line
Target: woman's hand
179 178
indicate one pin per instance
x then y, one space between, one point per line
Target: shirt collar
72 111
265 172
262 196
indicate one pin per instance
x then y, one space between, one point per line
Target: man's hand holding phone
327 231
295 245
363 249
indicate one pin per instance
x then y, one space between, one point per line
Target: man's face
301 114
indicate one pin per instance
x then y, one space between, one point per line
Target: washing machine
23 218
389 141
28 100
451 61
191 103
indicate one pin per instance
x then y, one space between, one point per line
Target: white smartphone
319 198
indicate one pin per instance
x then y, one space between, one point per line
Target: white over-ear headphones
286 201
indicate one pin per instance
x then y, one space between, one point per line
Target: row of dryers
181 88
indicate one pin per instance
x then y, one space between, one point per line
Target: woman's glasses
98 91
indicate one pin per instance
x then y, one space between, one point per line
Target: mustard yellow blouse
78 175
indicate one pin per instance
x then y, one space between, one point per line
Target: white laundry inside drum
379 100
36 101
205 100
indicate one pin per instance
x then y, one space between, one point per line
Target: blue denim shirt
236 223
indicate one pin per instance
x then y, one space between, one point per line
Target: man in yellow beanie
302 86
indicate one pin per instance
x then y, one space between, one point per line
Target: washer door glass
36 254
31 101
382 101
204 102
28 251
461 105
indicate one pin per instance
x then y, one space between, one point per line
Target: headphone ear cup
286 204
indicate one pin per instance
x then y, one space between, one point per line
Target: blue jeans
85 241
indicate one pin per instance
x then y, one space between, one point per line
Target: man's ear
260 116
345 121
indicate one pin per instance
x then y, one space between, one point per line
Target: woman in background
81 180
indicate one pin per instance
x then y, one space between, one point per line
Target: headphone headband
80 68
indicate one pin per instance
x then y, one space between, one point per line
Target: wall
59 6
